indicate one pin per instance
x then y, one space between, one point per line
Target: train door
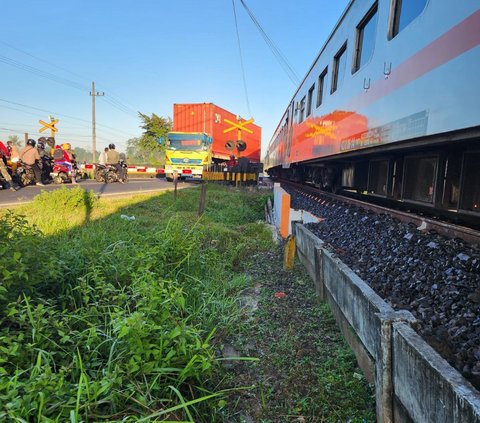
378 177
450 182
470 187
420 177
289 133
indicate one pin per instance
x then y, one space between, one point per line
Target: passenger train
390 108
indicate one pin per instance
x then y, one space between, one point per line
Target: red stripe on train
456 41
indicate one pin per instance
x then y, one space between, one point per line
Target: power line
119 106
114 102
42 74
282 60
241 59
55 114
41 60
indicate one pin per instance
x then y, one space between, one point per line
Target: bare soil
304 370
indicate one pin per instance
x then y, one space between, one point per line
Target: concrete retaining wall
426 385
412 382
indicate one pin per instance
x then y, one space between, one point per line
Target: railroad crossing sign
238 125
47 125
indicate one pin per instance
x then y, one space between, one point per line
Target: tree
154 127
15 140
83 155
137 154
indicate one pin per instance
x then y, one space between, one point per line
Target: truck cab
188 154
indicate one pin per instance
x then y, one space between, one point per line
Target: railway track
446 229
421 265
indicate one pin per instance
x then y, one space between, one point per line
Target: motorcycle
100 173
62 173
4 184
46 168
24 174
108 173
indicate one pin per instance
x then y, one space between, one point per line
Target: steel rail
446 229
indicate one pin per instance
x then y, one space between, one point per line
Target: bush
111 319
19 245
63 207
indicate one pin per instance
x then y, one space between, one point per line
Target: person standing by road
30 156
231 163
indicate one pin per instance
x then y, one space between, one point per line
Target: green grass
305 370
105 319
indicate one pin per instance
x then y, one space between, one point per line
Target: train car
390 108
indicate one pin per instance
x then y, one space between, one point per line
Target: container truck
217 123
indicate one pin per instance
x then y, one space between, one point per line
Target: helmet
111 146
41 145
67 146
31 142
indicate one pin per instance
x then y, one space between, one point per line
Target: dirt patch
304 370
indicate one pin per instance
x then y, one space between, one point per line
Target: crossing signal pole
94 94
240 126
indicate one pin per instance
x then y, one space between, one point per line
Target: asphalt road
132 187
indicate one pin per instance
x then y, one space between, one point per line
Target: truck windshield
187 145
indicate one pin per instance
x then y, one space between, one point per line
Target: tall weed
111 320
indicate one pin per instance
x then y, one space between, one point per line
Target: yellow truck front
188 154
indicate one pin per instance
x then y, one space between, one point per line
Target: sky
146 55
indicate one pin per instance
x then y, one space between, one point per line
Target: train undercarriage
436 177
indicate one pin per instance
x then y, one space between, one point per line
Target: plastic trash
125 217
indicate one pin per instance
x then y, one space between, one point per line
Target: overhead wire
111 100
42 60
282 60
119 106
32 128
123 103
241 59
57 114
42 74
114 96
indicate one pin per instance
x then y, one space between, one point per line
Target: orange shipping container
209 118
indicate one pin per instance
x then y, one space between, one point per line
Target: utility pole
94 94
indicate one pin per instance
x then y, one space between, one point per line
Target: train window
471 183
322 83
378 177
419 178
339 63
404 12
301 110
365 41
310 100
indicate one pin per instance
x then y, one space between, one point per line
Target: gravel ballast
435 278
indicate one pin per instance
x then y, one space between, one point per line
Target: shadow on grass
118 313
